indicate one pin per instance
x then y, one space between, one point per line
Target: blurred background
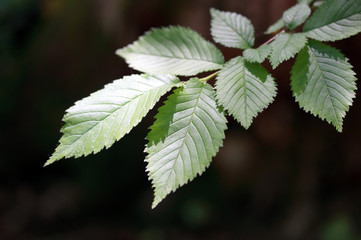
290 176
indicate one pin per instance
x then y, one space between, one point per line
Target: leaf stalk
209 77
272 38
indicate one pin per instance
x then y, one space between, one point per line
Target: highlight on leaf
188 132
259 54
104 117
231 29
244 89
318 3
334 20
308 2
172 50
189 127
286 46
296 15
323 82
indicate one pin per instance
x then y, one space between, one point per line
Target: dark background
290 176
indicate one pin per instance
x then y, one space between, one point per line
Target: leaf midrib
186 134
175 57
291 23
235 30
280 58
331 21
110 114
325 83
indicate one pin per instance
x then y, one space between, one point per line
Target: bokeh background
290 176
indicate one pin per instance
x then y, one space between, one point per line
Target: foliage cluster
189 127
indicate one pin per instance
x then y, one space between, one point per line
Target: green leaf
187 133
286 46
334 20
305 1
244 89
257 55
323 82
231 29
317 4
296 15
173 50
107 115
277 26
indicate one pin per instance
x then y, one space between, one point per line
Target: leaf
187 133
257 55
231 29
286 46
173 50
305 1
107 115
277 26
244 89
334 20
317 4
296 15
323 82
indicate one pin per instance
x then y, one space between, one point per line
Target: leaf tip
338 127
48 162
155 204
246 125
274 65
119 52
159 196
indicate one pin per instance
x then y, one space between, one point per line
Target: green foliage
318 3
286 46
173 50
296 15
189 127
277 26
231 29
293 17
187 133
244 89
335 20
327 85
107 115
305 1
257 55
